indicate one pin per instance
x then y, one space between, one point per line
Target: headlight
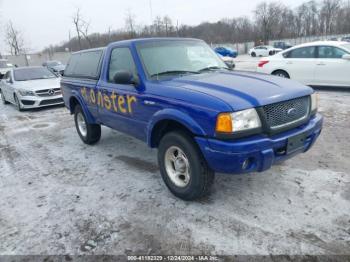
238 121
26 92
314 103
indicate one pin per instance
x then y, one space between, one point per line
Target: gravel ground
59 196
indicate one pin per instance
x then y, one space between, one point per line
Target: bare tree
168 25
14 39
130 23
82 29
329 12
77 24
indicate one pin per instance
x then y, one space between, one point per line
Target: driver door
121 106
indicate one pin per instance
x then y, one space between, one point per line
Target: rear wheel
3 99
253 54
183 167
89 133
18 104
281 73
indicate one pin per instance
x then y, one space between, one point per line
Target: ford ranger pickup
178 96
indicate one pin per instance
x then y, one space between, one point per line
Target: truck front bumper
257 153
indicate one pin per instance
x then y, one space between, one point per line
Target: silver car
31 87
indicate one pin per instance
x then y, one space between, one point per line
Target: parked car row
30 87
325 63
263 50
226 51
55 66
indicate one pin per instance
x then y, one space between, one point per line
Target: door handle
289 63
321 64
150 103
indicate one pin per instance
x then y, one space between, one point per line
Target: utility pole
151 11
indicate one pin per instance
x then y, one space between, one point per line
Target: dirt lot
59 196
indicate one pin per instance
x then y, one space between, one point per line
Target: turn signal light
262 63
224 123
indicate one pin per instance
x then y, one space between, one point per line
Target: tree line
270 21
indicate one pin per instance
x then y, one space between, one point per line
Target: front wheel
253 54
183 167
18 104
281 73
89 133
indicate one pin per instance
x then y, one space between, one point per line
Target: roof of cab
138 40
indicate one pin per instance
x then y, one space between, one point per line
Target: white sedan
263 50
30 87
325 63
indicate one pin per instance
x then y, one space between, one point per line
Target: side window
85 64
303 52
121 60
330 52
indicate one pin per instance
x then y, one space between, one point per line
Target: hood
242 90
39 84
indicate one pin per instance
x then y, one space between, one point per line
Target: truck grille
282 114
49 92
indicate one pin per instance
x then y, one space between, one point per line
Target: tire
88 133
3 98
253 54
177 150
18 104
281 73
271 53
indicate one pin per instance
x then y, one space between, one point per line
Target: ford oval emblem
291 112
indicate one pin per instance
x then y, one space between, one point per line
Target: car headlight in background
314 103
238 121
25 92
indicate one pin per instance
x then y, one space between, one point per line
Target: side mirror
346 57
9 80
125 78
230 65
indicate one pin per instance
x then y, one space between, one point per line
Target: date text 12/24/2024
173 258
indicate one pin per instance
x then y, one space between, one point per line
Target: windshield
54 63
25 74
346 46
178 57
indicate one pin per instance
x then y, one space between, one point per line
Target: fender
90 119
175 115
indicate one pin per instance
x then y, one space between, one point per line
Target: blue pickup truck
178 96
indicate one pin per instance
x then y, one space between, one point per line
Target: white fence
37 59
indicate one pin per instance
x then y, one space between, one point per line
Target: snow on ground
59 196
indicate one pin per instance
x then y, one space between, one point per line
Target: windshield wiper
174 72
211 68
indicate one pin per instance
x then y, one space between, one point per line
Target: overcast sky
45 22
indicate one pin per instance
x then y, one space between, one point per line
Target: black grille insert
285 113
51 101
